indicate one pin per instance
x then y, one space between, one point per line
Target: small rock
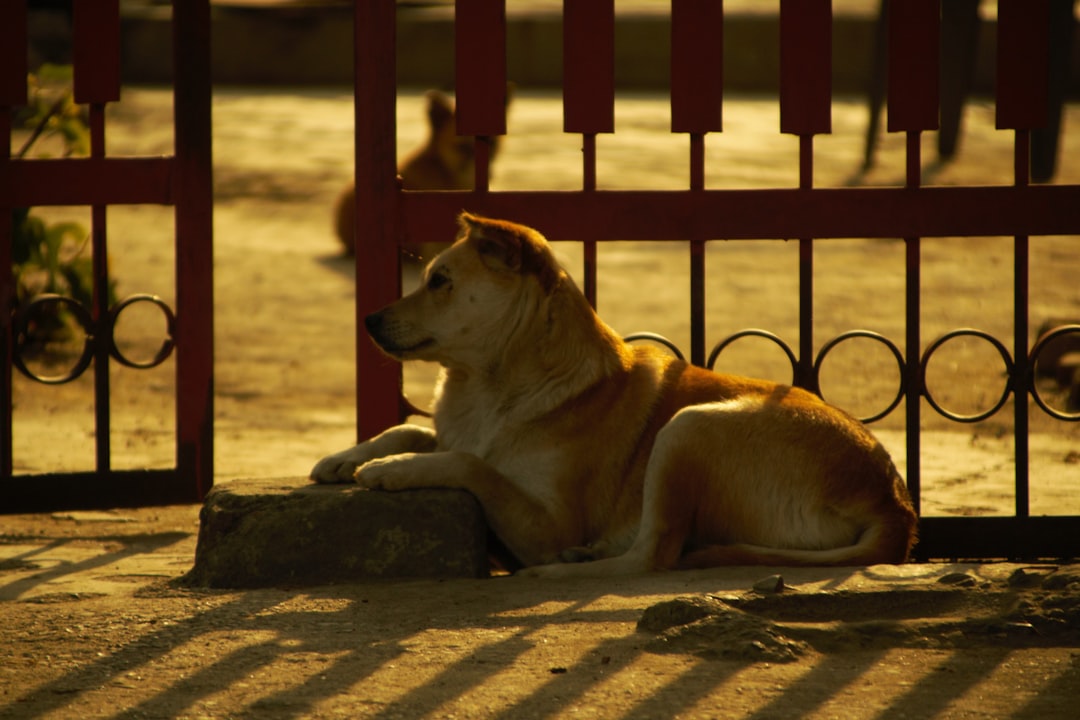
771 584
959 579
1060 581
1026 577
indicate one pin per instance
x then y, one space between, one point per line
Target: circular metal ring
828 347
1005 356
22 322
167 344
754 332
658 339
1034 359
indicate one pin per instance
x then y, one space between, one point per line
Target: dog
592 457
446 161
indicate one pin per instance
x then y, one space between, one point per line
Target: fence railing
389 217
183 181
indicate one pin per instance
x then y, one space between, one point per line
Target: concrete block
273 532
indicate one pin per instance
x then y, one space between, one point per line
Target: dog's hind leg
673 479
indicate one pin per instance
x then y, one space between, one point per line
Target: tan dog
446 161
581 447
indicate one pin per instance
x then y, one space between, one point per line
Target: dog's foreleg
523 524
340 467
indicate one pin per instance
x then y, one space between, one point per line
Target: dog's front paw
390 473
337 468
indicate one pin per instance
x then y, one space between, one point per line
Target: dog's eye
437 281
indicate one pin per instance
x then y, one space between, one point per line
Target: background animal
446 161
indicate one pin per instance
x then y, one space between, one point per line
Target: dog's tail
884 542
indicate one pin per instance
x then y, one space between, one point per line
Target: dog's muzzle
394 338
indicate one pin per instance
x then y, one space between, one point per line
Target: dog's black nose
373 322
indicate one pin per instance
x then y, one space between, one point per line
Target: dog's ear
440 109
508 246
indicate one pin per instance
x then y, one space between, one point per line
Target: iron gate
182 180
390 217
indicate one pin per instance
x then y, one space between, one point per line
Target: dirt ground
94 623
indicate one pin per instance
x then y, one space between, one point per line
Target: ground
95 622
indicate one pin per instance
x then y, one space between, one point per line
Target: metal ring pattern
1010 371
658 339
167 344
22 323
1033 359
754 332
897 355
25 313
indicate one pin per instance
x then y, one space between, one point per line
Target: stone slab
289 531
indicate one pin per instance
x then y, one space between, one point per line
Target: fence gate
389 216
183 181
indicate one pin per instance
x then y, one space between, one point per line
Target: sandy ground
94 626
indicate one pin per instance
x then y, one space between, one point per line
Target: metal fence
183 181
390 217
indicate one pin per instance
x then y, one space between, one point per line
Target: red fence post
589 93
914 49
378 268
194 201
806 110
1022 86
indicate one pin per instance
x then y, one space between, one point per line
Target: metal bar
589 94
914 29
697 65
480 66
93 490
822 213
193 194
89 181
697 256
378 266
1014 538
805 66
14 47
1022 372
588 66
99 312
805 376
7 302
588 154
1022 64
96 51
913 380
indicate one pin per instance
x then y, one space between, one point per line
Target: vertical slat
378 270
194 244
697 257
914 29
913 376
697 65
805 376
589 93
96 51
1022 86
13 54
805 66
805 110
1022 71
589 66
480 70
13 69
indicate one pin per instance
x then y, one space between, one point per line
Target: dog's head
475 298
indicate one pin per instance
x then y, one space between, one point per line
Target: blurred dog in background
446 161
